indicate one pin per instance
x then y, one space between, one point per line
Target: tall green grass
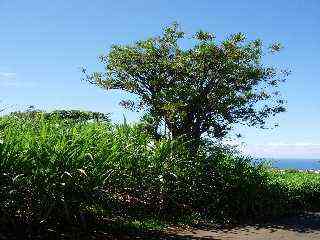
56 171
53 167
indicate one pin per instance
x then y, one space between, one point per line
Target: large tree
206 88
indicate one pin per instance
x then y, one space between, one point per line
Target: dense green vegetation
55 172
303 188
74 115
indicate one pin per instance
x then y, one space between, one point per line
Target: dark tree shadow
303 223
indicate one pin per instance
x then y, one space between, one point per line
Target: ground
303 227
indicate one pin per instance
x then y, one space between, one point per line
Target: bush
54 171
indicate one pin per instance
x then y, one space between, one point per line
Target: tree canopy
74 115
207 88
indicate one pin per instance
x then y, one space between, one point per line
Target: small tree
207 88
74 115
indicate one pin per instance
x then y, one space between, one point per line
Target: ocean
301 164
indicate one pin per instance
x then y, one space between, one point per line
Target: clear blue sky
44 43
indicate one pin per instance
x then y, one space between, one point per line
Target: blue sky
43 44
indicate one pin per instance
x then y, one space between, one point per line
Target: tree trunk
189 133
191 139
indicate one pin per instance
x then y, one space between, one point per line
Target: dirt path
303 227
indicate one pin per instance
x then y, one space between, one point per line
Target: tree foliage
74 115
207 88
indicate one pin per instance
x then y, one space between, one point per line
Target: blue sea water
302 164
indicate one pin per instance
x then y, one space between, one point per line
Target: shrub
54 171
